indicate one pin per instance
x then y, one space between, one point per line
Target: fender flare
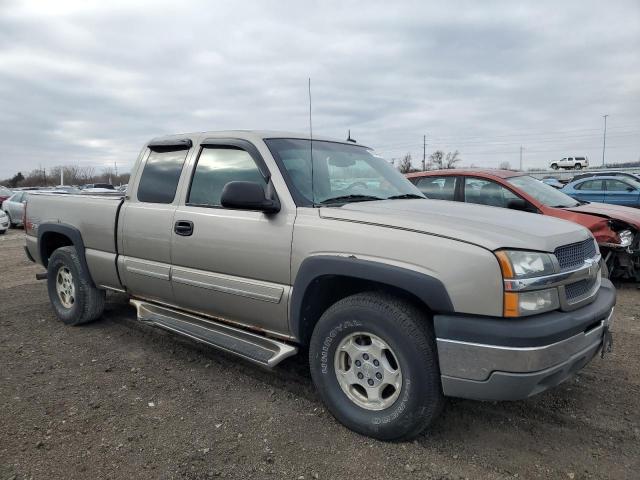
68 231
427 288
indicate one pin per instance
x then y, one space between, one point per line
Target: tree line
438 160
71 175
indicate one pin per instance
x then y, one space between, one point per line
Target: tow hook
41 276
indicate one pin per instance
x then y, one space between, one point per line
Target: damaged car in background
615 227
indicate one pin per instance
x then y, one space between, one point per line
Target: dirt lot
116 399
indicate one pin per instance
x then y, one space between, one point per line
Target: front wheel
73 297
374 362
554 166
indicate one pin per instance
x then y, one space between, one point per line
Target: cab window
159 180
215 168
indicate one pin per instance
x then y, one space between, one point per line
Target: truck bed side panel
93 216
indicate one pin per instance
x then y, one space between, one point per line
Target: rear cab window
161 174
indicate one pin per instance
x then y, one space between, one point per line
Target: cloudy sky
88 82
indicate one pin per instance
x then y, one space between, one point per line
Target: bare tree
405 164
504 166
436 159
451 159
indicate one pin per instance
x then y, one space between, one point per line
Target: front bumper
487 358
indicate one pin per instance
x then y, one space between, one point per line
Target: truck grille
580 288
573 255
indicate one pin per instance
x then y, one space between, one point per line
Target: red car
614 227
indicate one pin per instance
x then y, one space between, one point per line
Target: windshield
341 173
542 192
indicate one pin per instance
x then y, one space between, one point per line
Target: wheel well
326 290
50 242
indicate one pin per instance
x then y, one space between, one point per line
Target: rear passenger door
590 190
234 264
438 188
146 223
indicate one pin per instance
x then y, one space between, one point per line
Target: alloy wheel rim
368 371
65 287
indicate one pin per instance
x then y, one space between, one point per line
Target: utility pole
424 153
604 138
61 176
520 157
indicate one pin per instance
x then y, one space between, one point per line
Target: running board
256 348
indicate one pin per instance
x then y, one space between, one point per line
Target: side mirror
518 204
247 196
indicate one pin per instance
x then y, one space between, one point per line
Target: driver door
231 264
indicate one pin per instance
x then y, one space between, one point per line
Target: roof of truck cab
250 135
476 172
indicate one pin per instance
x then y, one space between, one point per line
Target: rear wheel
73 297
554 166
578 166
374 362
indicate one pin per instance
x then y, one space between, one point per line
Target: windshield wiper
404 195
350 198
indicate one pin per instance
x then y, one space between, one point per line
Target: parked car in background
4 222
106 186
14 208
632 176
615 228
4 193
612 189
576 163
554 182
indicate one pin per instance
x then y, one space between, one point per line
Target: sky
88 83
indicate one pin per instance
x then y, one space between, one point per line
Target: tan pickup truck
263 244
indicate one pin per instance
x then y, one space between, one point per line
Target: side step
257 348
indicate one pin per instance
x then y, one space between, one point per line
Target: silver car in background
4 222
14 208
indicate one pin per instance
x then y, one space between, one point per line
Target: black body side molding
428 289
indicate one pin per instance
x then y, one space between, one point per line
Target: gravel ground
115 399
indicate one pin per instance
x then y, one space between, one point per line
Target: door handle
183 227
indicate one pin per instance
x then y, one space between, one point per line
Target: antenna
349 139
313 197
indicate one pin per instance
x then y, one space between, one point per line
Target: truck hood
606 210
488 227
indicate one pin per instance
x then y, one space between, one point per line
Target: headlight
517 264
520 264
626 238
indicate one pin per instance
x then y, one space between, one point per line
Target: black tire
554 166
409 333
2 232
577 166
88 301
